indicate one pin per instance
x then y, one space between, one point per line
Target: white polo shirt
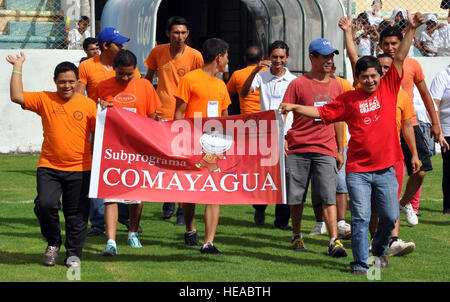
440 89
271 91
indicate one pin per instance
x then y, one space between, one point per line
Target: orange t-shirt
203 93
169 74
404 109
412 74
92 72
251 103
67 127
346 86
137 96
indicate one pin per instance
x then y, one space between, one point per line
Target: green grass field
250 253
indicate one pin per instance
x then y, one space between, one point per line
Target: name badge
319 104
213 109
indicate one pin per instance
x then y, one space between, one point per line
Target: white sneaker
411 217
344 231
400 248
370 245
319 229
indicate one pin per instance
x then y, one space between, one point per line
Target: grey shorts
320 169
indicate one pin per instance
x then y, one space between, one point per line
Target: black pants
282 213
446 177
74 188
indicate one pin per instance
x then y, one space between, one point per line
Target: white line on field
16 202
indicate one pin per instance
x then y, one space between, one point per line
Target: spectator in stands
366 37
76 36
430 39
68 120
399 17
373 15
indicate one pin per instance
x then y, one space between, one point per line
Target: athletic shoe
319 229
191 238
73 263
168 210
260 217
110 250
380 262
134 241
209 248
95 232
400 248
337 249
344 231
411 217
180 217
51 255
297 244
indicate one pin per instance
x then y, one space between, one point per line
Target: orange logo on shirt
125 98
181 72
78 115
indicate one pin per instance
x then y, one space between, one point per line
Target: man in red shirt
373 149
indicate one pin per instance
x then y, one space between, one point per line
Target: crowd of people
319 108
433 38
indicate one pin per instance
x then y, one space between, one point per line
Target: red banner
228 160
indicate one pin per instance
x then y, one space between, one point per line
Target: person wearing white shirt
440 92
272 85
76 36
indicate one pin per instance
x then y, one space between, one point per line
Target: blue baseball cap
110 34
322 46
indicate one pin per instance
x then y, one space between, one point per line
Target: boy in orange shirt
172 61
138 96
92 72
68 120
200 91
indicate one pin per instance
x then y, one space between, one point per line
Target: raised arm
414 21
346 24
16 86
247 87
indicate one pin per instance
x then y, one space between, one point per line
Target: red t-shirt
309 135
371 118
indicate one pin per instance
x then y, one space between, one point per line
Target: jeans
97 214
382 187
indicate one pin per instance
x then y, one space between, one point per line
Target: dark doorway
229 20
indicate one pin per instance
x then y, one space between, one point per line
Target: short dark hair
64 67
212 48
125 58
315 53
89 41
384 55
384 24
176 20
391 31
253 54
365 19
279 44
367 62
85 19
